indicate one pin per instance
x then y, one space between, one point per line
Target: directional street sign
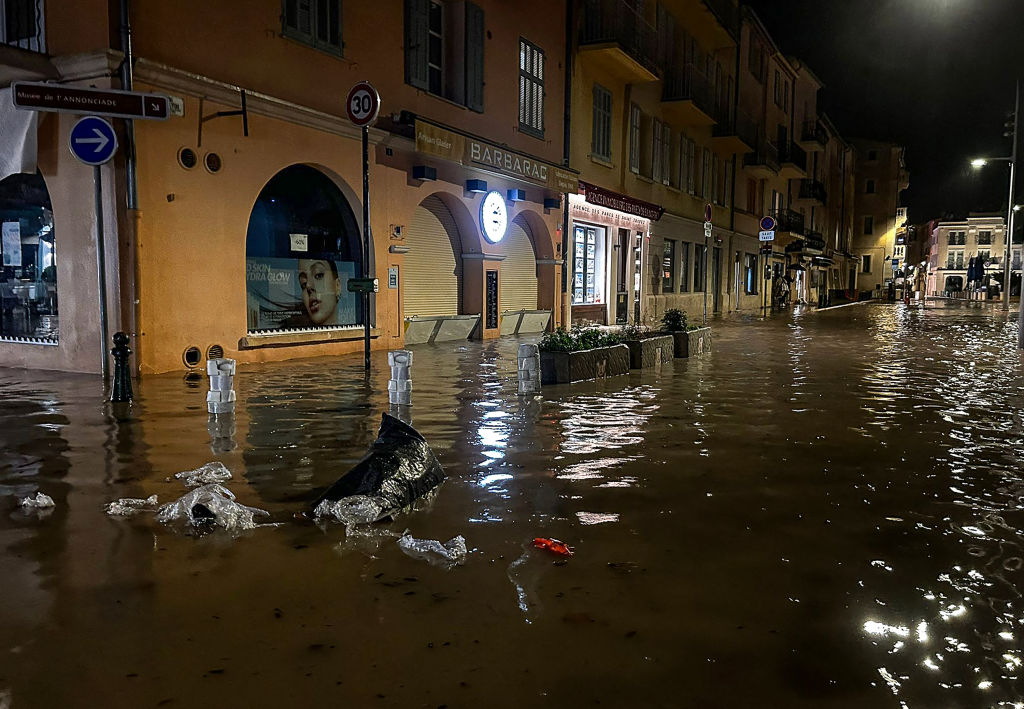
766 235
33 96
93 140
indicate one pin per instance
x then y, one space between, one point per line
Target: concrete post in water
529 370
121 389
400 384
221 397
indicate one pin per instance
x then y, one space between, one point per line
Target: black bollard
122 388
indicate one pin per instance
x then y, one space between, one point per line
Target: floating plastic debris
40 501
451 553
398 470
128 506
210 504
214 472
553 545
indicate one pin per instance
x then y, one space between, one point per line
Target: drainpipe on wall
132 312
566 306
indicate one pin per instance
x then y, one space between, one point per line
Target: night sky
934 75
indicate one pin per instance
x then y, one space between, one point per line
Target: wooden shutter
474 57
417 14
518 279
433 267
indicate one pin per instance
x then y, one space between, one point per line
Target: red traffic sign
34 96
768 223
363 104
707 212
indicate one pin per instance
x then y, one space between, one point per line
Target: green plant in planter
635 331
674 320
579 338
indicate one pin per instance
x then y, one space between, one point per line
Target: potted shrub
647 348
687 339
581 353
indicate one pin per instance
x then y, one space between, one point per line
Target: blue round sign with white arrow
93 140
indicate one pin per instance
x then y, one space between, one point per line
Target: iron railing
739 123
813 189
620 22
815 132
22 24
814 240
688 83
794 154
789 221
765 154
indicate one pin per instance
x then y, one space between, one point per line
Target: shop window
750 274
444 50
699 267
302 247
531 89
601 140
588 265
28 249
668 267
684 267
314 22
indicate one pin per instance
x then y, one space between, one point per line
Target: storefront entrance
716 279
623 281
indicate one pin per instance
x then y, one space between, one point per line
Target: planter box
568 367
650 351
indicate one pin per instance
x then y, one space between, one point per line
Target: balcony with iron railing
687 97
789 221
793 161
812 191
22 25
814 241
734 132
763 162
813 137
615 35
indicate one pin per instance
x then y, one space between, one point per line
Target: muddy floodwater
826 511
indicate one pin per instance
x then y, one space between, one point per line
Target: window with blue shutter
316 23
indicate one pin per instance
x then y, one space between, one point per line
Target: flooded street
824 512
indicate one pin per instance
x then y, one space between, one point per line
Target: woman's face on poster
320 291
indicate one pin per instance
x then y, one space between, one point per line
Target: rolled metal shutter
518 281
433 267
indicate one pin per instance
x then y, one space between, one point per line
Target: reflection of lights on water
1006 635
922 632
930 664
974 531
875 628
952 612
985 684
597 517
489 480
1012 661
894 684
878 563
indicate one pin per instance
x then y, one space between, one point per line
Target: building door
433 272
623 257
716 278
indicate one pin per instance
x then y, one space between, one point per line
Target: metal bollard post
221 397
400 384
121 391
529 370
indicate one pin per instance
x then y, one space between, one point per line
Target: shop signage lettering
621 203
434 140
593 213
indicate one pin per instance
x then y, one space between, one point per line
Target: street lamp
977 164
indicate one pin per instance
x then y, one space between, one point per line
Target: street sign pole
367 242
362 106
101 269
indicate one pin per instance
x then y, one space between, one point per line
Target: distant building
880 177
954 243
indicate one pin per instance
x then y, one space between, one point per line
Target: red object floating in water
553 545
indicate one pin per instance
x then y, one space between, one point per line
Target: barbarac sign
614 200
432 139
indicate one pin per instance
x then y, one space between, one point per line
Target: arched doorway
433 266
518 284
303 244
28 268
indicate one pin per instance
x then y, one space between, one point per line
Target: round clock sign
493 217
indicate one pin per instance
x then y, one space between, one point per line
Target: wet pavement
824 512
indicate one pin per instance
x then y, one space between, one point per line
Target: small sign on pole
766 235
93 140
707 229
707 212
363 104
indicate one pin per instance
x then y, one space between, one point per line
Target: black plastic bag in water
399 469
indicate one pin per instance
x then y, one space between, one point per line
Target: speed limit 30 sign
363 104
